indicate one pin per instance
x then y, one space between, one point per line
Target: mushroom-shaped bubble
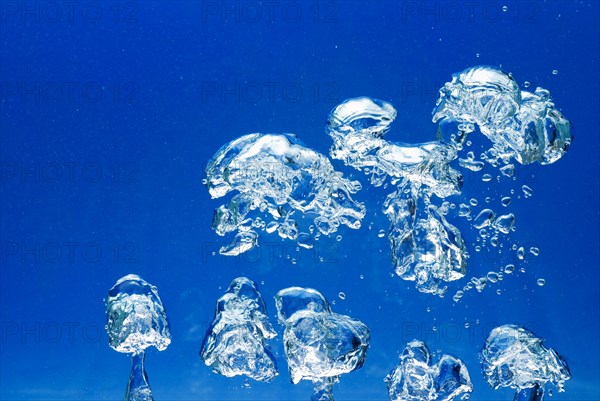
420 377
514 357
235 344
319 345
136 320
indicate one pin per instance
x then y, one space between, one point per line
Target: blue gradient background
162 126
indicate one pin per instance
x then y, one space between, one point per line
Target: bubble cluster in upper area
278 181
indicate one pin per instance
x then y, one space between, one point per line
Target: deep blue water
110 111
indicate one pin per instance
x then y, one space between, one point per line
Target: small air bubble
526 84
505 8
486 178
381 233
508 269
499 291
492 277
541 282
362 277
554 72
473 202
342 295
338 238
534 251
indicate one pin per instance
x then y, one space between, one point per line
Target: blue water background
138 149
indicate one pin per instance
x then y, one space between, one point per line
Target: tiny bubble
541 282
554 72
505 8
342 295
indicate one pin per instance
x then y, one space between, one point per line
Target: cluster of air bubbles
282 187
513 357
